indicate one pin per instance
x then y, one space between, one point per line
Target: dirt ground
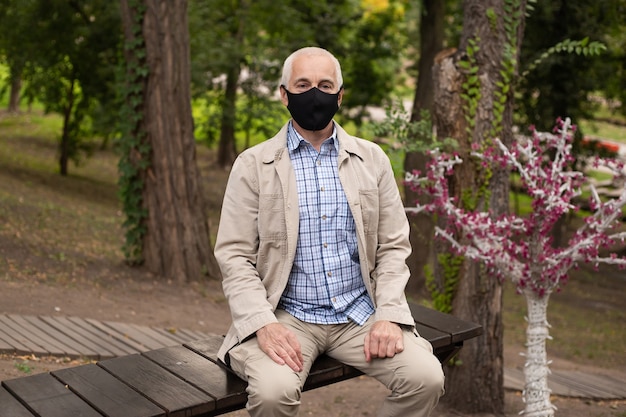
143 300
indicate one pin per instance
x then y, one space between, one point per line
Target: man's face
312 71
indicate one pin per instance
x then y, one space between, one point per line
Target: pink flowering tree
520 248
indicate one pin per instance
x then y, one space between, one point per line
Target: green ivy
133 146
471 86
442 293
582 47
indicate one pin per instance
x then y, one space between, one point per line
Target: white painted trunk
536 370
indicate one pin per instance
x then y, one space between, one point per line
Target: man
312 244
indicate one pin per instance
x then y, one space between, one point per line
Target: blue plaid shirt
325 285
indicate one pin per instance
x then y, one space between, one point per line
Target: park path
79 338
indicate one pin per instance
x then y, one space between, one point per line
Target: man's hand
384 340
280 344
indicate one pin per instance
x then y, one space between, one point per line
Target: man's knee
423 377
270 396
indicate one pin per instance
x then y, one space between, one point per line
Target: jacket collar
277 146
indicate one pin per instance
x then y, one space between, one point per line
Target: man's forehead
314 66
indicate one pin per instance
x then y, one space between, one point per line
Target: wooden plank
171 393
106 393
72 348
192 335
162 340
30 332
50 344
459 329
10 406
173 334
207 347
592 386
6 347
48 397
435 337
112 344
228 390
120 334
91 342
22 341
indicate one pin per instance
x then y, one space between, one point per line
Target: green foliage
471 86
410 136
134 149
565 60
65 54
442 292
23 367
582 47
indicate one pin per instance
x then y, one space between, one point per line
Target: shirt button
319 162
330 274
334 299
325 244
324 217
321 188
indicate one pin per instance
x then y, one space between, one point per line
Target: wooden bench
184 380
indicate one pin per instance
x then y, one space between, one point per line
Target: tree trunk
227 151
422 225
66 136
477 384
536 370
176 244
14 96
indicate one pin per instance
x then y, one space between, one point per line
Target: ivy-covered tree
167 227
474 105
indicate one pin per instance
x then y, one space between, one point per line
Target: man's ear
283 95
340 97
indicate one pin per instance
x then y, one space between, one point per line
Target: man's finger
366 348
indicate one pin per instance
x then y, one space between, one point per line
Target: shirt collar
294 139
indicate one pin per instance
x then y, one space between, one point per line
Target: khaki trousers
414 377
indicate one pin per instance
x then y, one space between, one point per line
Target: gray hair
309 51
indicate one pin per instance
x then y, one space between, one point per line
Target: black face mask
313 109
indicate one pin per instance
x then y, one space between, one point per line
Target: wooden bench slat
223 385
207 347
10 406
48 397
159 385
458 329
184 380
106 393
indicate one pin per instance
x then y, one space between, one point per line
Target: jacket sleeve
391 271
236 251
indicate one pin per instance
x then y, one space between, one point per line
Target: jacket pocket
369 210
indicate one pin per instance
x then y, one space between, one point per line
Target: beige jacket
258 231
